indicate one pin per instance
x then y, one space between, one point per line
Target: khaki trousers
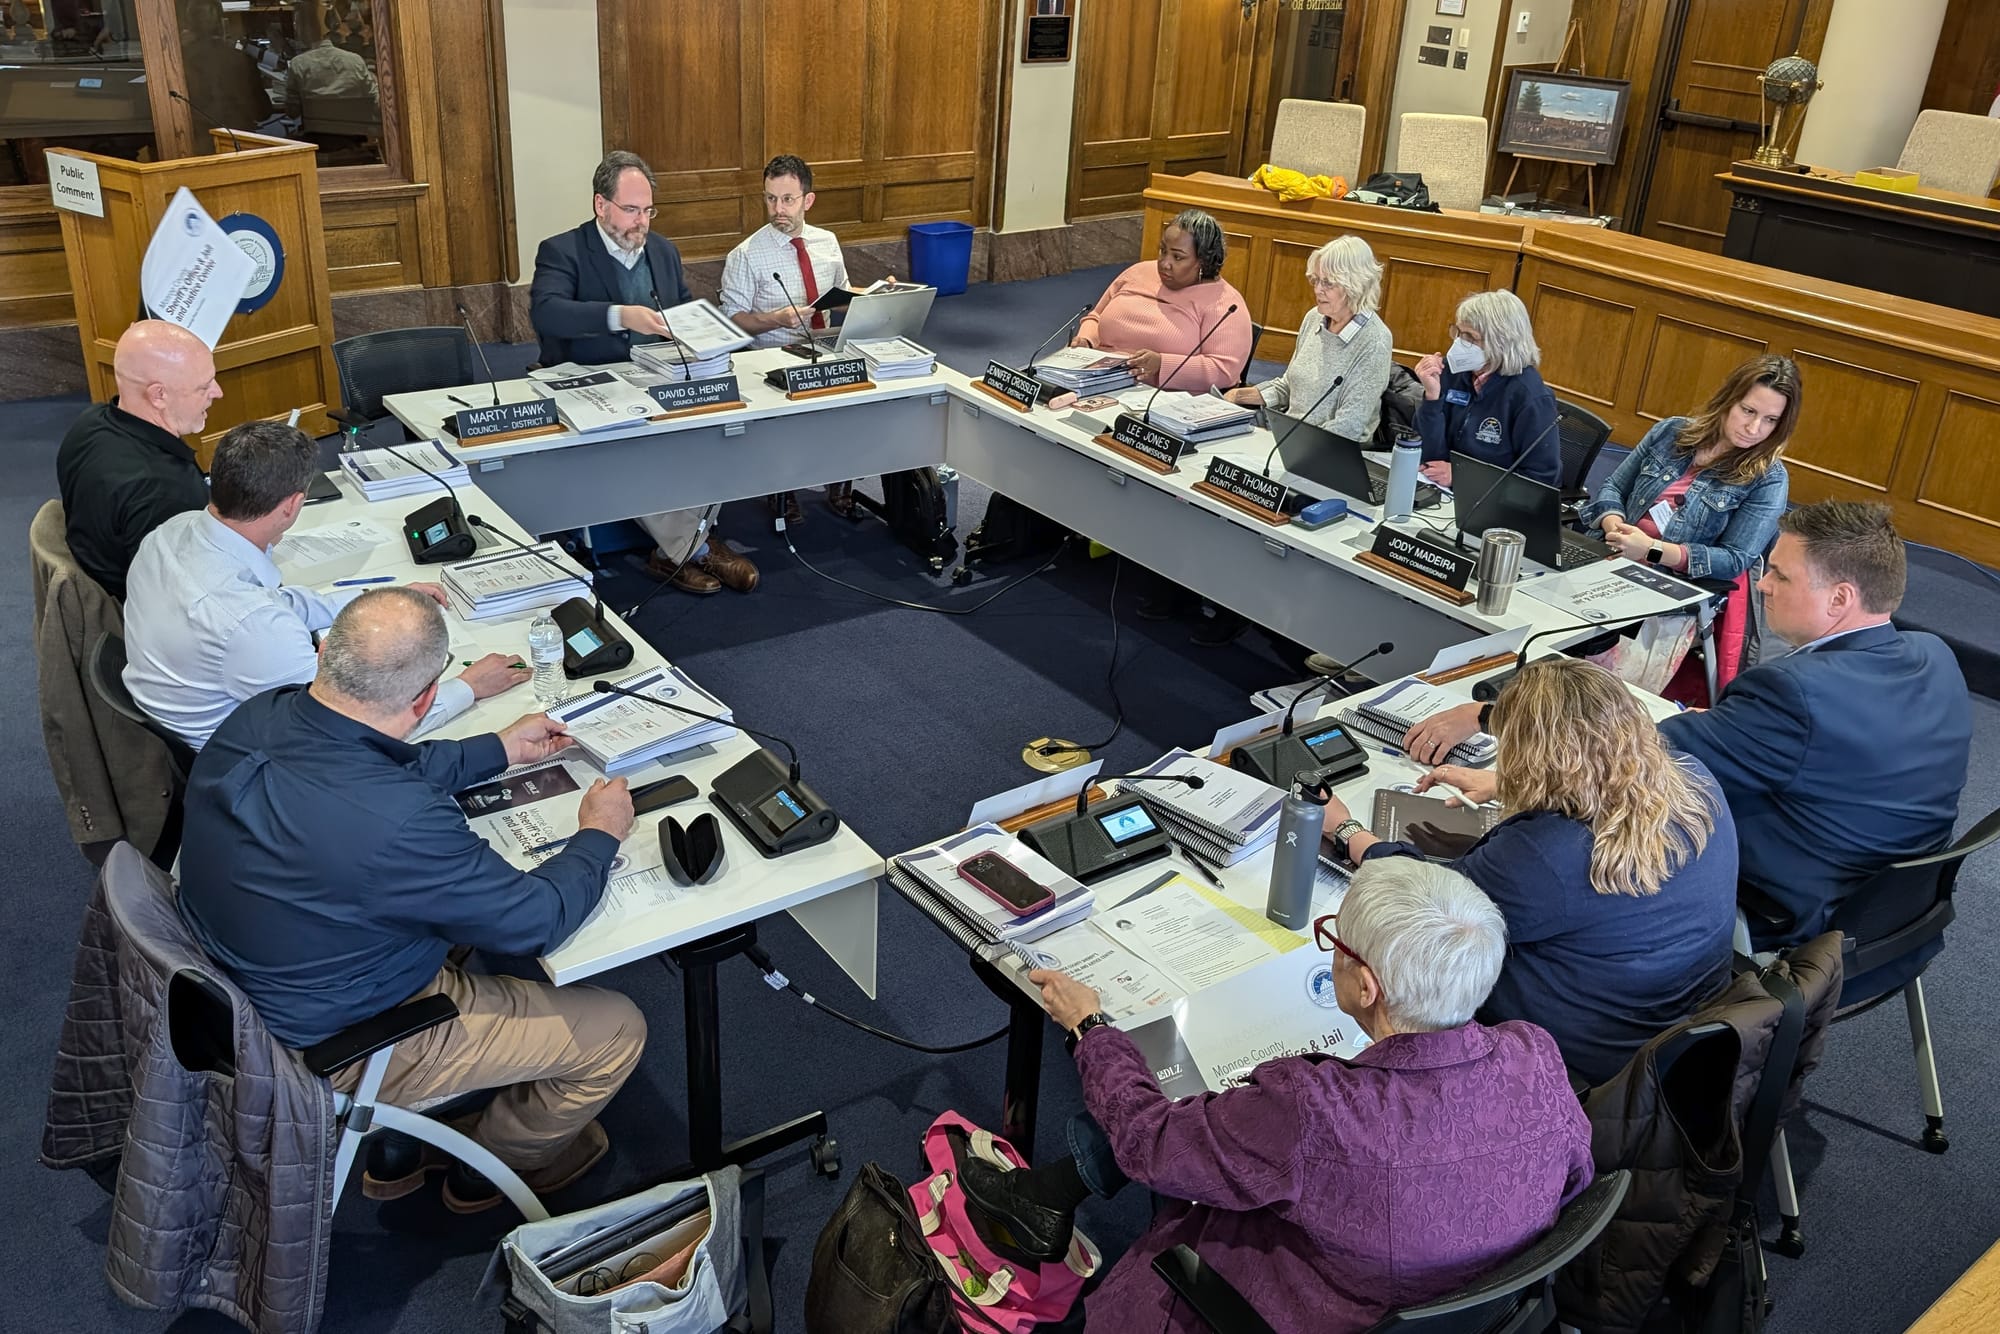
557 1054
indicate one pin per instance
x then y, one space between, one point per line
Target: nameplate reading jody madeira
1419 555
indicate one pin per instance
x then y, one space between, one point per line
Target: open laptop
1482 500
896 314
1325 459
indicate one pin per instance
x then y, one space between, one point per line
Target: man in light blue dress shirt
208 622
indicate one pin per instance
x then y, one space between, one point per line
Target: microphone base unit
1112 836
437 533
1322 750
592 646
777 813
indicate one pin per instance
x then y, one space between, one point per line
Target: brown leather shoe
840 498
729 565
689 578
467 1192
785 505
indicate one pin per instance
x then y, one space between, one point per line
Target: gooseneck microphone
1061 329
597 602
465 318
1194 783
1327 755
811 348
1300 420
590 642
1489 688
1473 509
791 752
1190 356
177 95
1332 679
679 350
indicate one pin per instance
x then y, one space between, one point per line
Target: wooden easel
1572 38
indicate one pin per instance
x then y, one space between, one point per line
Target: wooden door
1708 117
1312 53
1162 86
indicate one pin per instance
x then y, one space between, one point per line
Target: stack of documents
1087 370
382 475
1230 817
1389 716
894 358
597 401
486 588
931 873
621 734
673 361
1200 418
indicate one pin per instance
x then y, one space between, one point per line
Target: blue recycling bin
941 255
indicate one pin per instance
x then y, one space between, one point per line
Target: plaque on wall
1046 31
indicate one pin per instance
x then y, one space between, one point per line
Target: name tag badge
1457 397
1660 513
1353 327
1489 431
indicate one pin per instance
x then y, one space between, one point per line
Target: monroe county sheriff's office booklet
597 401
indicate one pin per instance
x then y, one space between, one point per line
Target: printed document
1191 935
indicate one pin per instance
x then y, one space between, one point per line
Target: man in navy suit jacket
599 289
1847 753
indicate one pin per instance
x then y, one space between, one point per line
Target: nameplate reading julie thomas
1419 555
506 418
686 395
1154 443
1251 487
830 374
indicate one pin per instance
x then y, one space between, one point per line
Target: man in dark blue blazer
1847 753
599 290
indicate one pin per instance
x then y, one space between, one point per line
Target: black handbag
1397 189
872 1272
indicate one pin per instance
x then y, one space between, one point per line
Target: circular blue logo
259 240
1319 987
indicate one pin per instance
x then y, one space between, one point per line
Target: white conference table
830 888
1305 585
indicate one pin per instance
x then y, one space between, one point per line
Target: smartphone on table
1005 883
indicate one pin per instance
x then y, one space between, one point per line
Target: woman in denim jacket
1717 473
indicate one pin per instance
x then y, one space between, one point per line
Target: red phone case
1001 899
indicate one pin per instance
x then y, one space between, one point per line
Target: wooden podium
270 360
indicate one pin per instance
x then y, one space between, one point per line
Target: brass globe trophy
1789 81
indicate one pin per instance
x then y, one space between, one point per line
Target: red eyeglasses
1323 935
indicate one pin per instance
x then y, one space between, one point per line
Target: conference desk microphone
679 351
235 144
1327 753
1299 421
767 800
435 533
1121 832
1472 510
1189 357
810 350
465 318
1027 367
590 642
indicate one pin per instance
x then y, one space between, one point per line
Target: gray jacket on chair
223 1202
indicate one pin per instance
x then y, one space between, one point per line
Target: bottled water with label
545 655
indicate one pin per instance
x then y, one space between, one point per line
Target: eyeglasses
784 201
1469 335
633 210
1323 936
1322 284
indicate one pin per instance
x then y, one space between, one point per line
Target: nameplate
1151 441
1250 487
537 414
1018 388
1420 555
816 375
694 395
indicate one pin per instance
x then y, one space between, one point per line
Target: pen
517 666
373 579
456 399
1207 872
549 846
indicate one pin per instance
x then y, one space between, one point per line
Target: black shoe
1013 1225
1221 626
1159 606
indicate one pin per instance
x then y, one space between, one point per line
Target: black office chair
1256 337
1516 1298
399 361
105 669
1582 434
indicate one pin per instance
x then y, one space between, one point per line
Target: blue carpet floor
904 719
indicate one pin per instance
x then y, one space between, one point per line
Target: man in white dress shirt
773 276
208 623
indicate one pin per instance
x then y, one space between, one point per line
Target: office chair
398 361
1256 337
104 667
202 1006
1449 152
1582 434
1319 138
1516 1298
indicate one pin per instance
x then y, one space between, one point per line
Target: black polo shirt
121 478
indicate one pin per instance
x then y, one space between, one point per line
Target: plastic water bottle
1400 499
545 655
1295 861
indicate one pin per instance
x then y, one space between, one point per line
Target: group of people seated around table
327 869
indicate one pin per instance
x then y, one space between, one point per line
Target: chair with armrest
1256 337
1517 1297
1319 138
1951 150
1449 152
1581 434
399 361
104 668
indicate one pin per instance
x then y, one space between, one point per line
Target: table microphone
791 751
1061 329
1195 783
1489 688
1278 759
1300 420
679 351
812 348
1078 842
1519 459
435 532
590 643
465 318
188 102
1189 357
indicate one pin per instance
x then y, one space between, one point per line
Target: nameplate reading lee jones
474 423
1154 443
1023 389
823 375
682 395
1246 485
1421 556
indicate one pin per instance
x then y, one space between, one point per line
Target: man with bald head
326 868
123 467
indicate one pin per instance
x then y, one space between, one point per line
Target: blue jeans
1090 1147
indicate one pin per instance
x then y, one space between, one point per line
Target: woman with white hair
1342 342
1328 1191
1485 398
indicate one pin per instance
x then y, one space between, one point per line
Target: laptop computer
1481 500
1334 461
896 314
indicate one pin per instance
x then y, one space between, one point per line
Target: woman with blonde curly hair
1615 865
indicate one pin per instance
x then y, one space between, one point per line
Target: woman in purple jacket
1328 1192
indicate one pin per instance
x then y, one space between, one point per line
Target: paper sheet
336 541
1127 984
1184 932
192 273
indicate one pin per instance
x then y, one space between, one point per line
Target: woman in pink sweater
1158 312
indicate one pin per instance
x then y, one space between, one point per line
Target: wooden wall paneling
371 241
412 103
1864 438
1118 54
1381 38
1967 65
1570 320
474 196
1626 39
34 275
1960 479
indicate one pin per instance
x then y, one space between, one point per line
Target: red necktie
812 284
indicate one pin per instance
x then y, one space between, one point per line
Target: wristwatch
1656 554
1345 830
1085 1024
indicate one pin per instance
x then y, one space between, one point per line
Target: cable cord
987 601
777 981
1110 680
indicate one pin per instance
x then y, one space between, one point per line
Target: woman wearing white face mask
1485 398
